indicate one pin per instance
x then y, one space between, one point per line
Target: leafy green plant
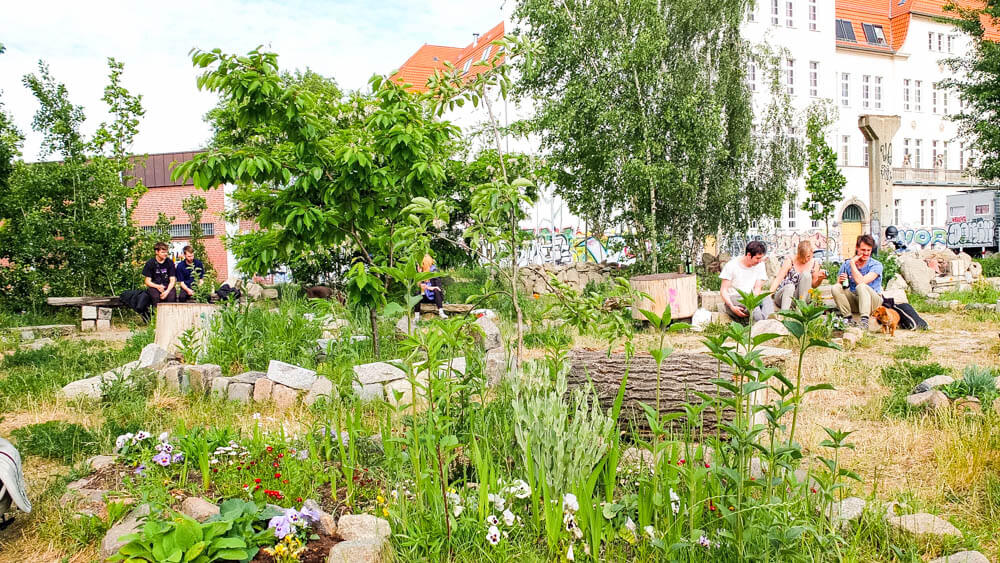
63 441
991 265
547 337
189 345
902 377
982 291
178 537
976 381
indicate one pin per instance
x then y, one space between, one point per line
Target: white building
879 57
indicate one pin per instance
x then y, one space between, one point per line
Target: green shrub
890 266
831 269
556 337
59 440
921 305
982 292
991 265
976 381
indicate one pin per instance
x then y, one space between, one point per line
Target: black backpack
908 317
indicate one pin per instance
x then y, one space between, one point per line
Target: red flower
257 481
813 489
215 470
680 461
275 464
277 475
298 499
707 465
281 456
711 507
269 448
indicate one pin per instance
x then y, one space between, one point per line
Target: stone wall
534 278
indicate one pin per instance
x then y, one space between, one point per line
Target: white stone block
104 313
88 325
88 312
103 324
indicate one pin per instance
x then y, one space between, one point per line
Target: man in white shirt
747 274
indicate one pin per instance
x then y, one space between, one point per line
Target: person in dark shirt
430 290
190 271
160 276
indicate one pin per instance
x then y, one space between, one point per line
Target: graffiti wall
783 243
978 232
549 246
922 237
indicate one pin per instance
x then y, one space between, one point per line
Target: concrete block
103 324
88 325
240 392
262 389
88 312
104 313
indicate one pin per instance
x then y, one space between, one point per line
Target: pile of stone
933 271
926 395
285 384
152 357
534 278
257 292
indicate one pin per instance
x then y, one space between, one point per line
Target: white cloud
348 40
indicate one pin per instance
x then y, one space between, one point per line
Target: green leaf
232 554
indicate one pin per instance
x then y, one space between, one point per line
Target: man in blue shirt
859 287
189 272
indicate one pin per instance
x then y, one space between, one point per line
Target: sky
348 40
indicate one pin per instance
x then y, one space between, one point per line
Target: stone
363 526
962 557
40 343
254 290
495 366
327 525
768 326
200 376
322 388
710 300
262 389
336 324
933 398
99 462
220 386
405 324
846 511
923 524
131 524
199 508
84 500
171 377
932 382
488 313
240 392
284 397
104 313
402 389
968 405
976 270
897 282
27 335
357 551
491 333
103 324
851 339
369 392
360 337
290 375
86 388
966 260
87 325
152 356
322 345
269 293
376 372
897 295
916 273
250 377
88 312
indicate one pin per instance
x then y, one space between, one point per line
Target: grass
914 353
902 377
921 304
981 292
62 441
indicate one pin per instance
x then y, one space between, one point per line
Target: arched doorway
851 227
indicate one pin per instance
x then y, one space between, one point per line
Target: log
681 375
172 319
81 301
449 308
680 291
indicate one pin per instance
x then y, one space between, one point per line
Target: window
774 12
983 209
916 94
486 53
184 230
940 49
930 40
468 64
916 153
845 31
790 75
907 157
791 213
934 100
873 34
878 92
951 42
845 89
944 102
934 153
923 212
961 155
752 76
845 141
895 211
906 94
813 78
866 91
944 154
812 19
789 20
933 207
957 211
750 13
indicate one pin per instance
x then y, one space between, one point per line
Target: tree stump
173 319
682 374
680 291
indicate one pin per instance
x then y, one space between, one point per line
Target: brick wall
168 200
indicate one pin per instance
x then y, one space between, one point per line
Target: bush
991 265
890 266
976 382
56 439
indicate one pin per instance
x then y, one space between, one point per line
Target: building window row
940 43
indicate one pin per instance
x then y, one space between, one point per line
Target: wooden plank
81 301
449 308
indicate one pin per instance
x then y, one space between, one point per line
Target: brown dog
888 318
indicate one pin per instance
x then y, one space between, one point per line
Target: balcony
934 176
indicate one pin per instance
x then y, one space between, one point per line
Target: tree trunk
373 316
682 373
173 319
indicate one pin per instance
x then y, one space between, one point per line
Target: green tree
645 112
194 207
67 225
976 79
312 182
824 182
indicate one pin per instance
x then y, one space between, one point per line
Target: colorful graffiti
569 245
783 243
978 232
922 237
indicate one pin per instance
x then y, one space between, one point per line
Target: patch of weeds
907 352
921 305
872 539
902 377
56 439
714 329
547 337
982 292
982 316
976 381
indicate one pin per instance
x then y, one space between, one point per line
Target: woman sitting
796 277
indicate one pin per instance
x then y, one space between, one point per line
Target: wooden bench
95 312
449 308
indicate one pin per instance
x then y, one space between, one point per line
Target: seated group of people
858 288
163 278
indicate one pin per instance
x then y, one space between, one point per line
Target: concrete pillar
879 131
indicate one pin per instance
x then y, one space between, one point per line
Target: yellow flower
385 512
380 499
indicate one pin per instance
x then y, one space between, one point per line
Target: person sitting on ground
747 274
796 277
160 276
430 290
860 283
190 271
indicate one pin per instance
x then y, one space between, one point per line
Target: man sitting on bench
160 276
190 272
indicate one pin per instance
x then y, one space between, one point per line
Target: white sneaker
441 314
416 318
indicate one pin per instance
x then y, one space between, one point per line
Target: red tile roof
894 17
429 58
